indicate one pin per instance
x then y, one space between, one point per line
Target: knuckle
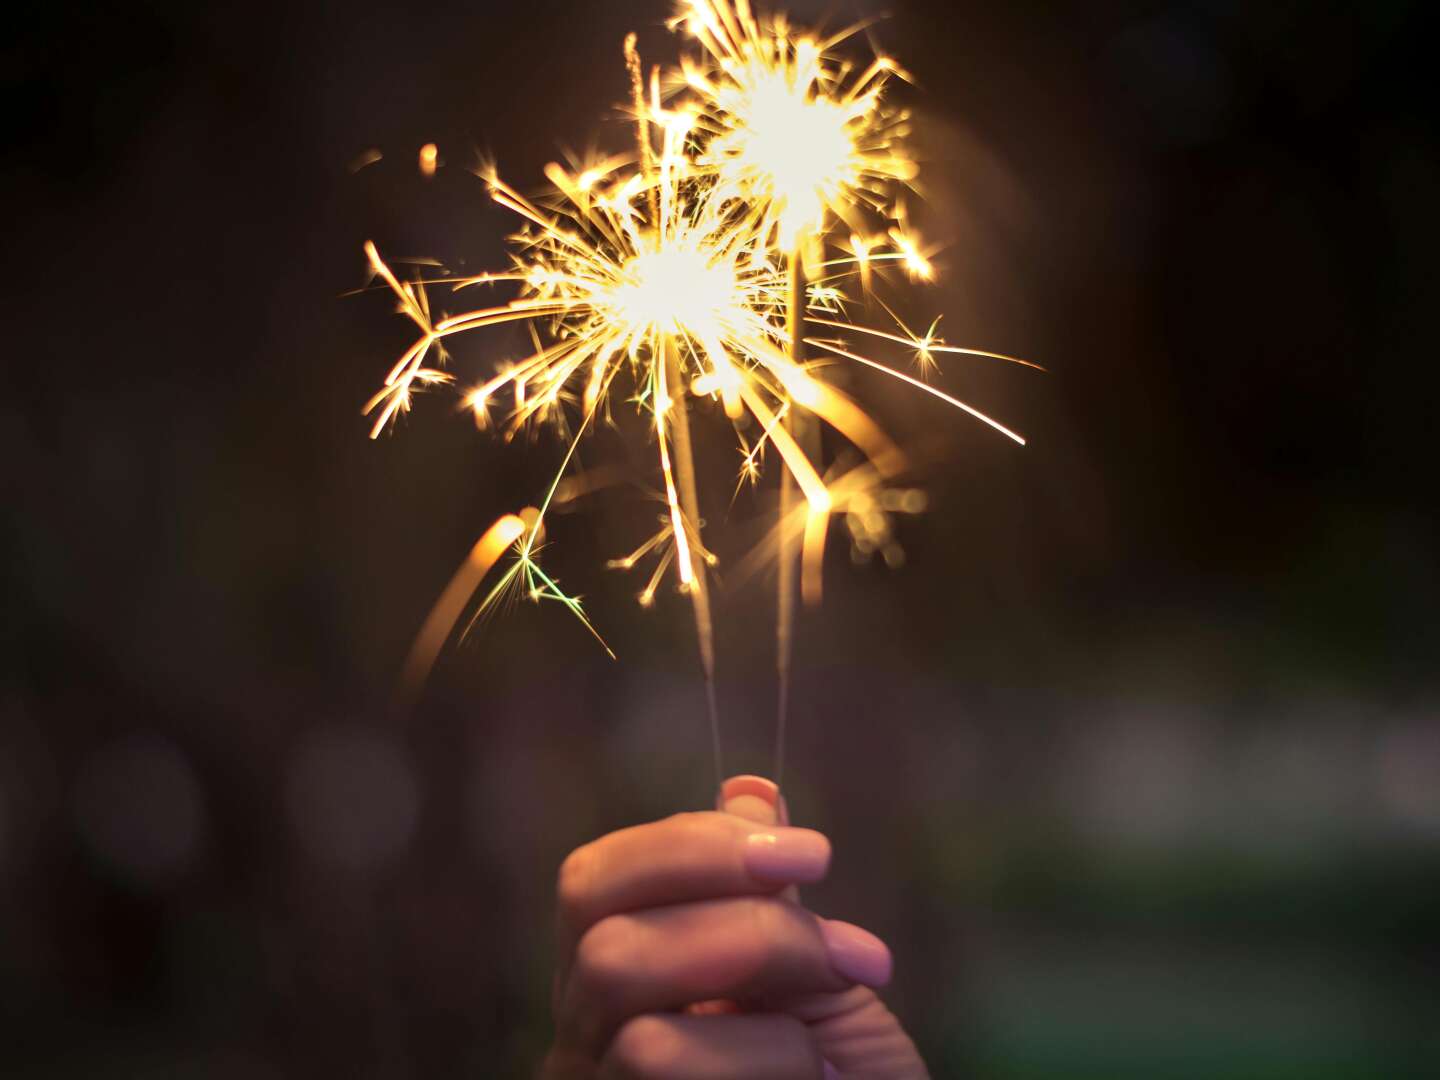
647 1048
695 843
771 922
703 839
606 954
758 944
572 882
695 824
775 941
789 1039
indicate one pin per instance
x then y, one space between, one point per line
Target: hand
684 954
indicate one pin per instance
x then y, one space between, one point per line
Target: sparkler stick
785 579
789 138
678 412
699 588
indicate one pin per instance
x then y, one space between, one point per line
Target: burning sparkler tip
694 262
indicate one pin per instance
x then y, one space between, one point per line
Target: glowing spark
789 133
913 259
831 347
365 159
684 273
446 612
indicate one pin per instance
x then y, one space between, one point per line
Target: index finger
692 856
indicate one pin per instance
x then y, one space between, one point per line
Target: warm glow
674 290
794 149
793 133
760 198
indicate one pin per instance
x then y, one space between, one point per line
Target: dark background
1136 763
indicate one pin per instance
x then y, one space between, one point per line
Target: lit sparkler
691 270
797 138
789 129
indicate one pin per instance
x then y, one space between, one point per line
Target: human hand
684 954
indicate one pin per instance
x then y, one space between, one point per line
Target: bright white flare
680 289
795 151
788 130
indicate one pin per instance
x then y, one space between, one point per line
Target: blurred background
1135 761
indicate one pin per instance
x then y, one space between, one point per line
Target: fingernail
856 954
750 785
830 1072
788 856
753 798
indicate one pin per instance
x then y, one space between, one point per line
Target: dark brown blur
1136 761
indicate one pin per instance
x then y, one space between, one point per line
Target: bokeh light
353 798
139 808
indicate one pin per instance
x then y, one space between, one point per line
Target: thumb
756 799
759 800
854 1031
753 798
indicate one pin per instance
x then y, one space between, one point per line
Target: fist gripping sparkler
687 273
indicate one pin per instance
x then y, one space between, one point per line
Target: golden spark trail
446 612
832 347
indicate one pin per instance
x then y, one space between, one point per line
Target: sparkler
794 139
790 132
691 269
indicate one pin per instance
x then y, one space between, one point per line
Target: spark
831 346
507 532
365 159
765 183
789 129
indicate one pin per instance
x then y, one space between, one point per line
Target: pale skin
685 954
